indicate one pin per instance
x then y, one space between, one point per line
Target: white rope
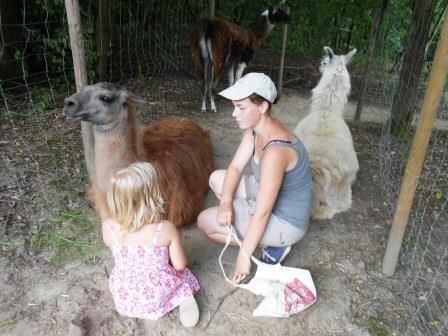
228 240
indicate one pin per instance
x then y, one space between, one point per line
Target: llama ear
279 5
124 95
349 55
136 100
329 52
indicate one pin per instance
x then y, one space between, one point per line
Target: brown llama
179 149
217 44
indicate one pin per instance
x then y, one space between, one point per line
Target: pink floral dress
144 284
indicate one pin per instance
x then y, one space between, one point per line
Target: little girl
150 277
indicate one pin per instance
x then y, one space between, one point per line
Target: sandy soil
344 254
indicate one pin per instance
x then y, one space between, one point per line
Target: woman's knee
216 180
206 221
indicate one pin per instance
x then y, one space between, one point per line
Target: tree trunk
405 99
103 24
348 41
373 39
10 39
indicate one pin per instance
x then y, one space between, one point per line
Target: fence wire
425 245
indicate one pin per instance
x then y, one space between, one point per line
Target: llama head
102 104
334 85
277 15
335 64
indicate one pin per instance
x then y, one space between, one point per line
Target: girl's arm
107 226
176 250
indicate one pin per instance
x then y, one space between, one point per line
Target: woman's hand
242 267
225 214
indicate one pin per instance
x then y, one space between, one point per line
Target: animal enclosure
48 227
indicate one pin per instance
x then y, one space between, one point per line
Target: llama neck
115 147
330 95
260 29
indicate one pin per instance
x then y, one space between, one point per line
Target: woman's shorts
278 231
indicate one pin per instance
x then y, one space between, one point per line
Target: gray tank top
295 195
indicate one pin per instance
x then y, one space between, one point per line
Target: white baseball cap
253 82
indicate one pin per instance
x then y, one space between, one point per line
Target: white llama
328 140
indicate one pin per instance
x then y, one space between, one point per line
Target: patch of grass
401 129
60 182
376 327
69 236
439 195
7 324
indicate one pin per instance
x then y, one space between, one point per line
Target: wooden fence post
282 58
414 165
79 65
211 9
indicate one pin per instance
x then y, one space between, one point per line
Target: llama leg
212 99
204 98
239 70
323 212
344 196
321 195
337 198
207 84
231 74
321 209
212 103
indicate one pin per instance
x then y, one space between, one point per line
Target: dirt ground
344 254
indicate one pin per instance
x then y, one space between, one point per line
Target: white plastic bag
286 290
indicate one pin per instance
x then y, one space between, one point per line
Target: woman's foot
274 254
189 312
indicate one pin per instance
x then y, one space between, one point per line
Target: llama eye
106 99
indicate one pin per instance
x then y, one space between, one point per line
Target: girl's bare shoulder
168 231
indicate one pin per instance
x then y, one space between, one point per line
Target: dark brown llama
217 44
179 149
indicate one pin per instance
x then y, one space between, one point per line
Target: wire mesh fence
145 46
424 249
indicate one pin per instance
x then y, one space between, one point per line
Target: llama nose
70 105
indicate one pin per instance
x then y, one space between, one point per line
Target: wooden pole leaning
282 58
79 65
417 154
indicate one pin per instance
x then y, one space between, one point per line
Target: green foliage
440 196
401 129
341 24
377 327
391 41
42 100
48 43
149 36
68 237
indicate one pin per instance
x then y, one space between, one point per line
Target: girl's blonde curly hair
134 196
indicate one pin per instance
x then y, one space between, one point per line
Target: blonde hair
134 196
